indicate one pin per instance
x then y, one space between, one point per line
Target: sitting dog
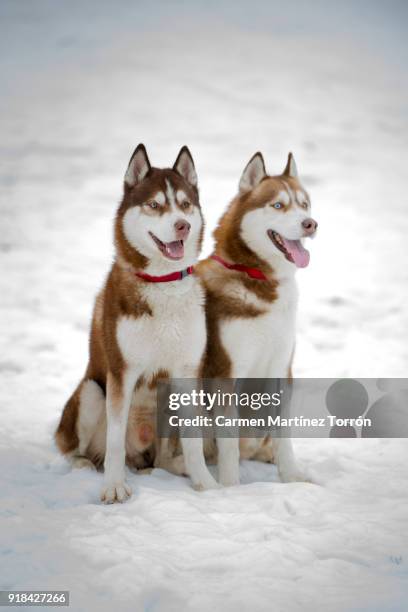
251 293
148 322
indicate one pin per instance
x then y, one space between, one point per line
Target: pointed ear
291 169
184 165
138 167
253 174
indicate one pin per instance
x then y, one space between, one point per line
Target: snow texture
82 84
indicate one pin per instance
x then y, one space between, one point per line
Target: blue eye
277 205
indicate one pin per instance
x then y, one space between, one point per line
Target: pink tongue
175 249
299 254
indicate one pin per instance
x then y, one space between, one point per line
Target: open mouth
293 250
172 250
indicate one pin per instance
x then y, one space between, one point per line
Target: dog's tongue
175 249
299 254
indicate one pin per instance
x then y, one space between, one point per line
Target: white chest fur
262 346
174 337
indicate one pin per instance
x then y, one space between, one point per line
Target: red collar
173 276
252 272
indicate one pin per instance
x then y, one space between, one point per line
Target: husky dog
148 322
251 293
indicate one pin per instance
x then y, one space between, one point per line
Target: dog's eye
186 204
277 205
153 204
304 205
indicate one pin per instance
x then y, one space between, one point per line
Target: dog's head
159 225
268 219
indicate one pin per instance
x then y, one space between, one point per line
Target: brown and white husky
251 293
148 323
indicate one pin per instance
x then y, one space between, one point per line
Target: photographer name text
271 421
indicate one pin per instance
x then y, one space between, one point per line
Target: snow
82 84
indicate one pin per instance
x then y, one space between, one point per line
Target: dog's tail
80 418
66 436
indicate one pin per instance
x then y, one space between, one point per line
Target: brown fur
120 296
221 303
66 436
219 283
216 362
228 240
138 196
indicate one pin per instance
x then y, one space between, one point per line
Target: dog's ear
138 167
291 169
184 165
253 174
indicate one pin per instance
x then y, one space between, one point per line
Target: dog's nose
309 225
182 228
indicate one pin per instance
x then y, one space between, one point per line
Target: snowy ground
82 84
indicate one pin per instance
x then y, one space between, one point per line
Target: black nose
310 226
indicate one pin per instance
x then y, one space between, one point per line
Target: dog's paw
118 492
80 463
229 478
206 485
229 474
178 466
230 482
296 475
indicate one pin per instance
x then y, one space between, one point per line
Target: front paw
80 463
117 492
228 473
206 484
229 478
295 475
230 482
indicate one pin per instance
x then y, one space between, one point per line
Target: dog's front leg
118 397
228 461
196 468
228 448
193 446
288 468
